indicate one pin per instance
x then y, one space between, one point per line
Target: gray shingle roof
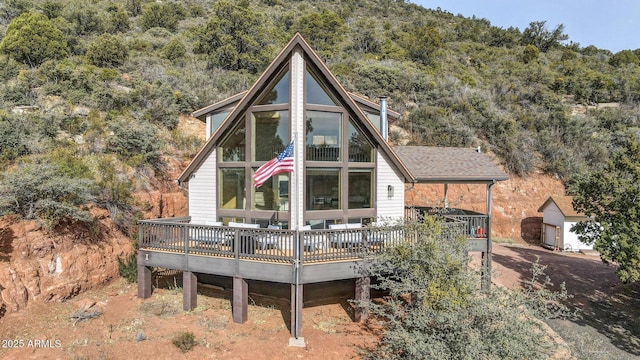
449 164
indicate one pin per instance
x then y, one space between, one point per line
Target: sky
613 24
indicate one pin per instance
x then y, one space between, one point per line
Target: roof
564 203
232 100
297 42
449 164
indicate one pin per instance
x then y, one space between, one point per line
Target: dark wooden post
362 298
189 291
144 276
240 304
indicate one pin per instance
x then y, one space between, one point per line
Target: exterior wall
388 208
570 238
552 216
202 192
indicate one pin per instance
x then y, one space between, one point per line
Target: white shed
558 218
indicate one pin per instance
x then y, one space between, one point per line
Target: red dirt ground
327 329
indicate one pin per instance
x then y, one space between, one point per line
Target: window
360 188
217 118
273 194
232 188
233 148
324 136
270 133
278 94
360 150
315 93
323 189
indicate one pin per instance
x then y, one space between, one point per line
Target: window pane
278 94
360 150
217 118
323 189
360 188
232 193
273 194
315 93
233 148
270 134
324 140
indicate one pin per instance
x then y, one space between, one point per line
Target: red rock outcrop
39 265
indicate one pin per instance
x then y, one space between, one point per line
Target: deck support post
240 304
296 312
144 277
487 255
362 297
189 291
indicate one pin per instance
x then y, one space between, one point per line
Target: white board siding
202 191
568 239
388 208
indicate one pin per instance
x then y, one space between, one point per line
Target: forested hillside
91 92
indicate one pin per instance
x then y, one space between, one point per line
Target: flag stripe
281 163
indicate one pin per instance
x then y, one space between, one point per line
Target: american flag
281 163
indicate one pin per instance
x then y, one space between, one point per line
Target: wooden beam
240 304
362 298
189 291
144 277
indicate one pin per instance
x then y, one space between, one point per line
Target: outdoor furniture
347 239
206 236
269 240
246 238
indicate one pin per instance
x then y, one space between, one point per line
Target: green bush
31 39
436 310
185 341
174 49
128 267
107 51
44 192
135 141
160 15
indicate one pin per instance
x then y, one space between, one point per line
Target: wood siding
202 192
388 208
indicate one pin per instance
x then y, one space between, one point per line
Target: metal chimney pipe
384 123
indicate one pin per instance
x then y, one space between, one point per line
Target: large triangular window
277 94
316 93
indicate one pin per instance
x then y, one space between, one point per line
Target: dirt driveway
607 325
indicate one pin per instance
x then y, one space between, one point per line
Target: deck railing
274 245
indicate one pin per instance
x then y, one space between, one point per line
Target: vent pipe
384 123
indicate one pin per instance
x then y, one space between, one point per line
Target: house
313 224
557 220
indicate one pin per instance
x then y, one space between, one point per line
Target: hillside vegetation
91 92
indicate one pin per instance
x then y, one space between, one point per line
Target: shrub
31 39
159 15
434 308
135 141
44 192
128 268
174 49
185 341
107 51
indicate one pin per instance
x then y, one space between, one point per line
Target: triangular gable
265 79
564 204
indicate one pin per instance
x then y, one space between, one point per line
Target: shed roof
449 164
564 203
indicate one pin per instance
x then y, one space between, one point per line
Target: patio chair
347 239
215 237
312 242
268 240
